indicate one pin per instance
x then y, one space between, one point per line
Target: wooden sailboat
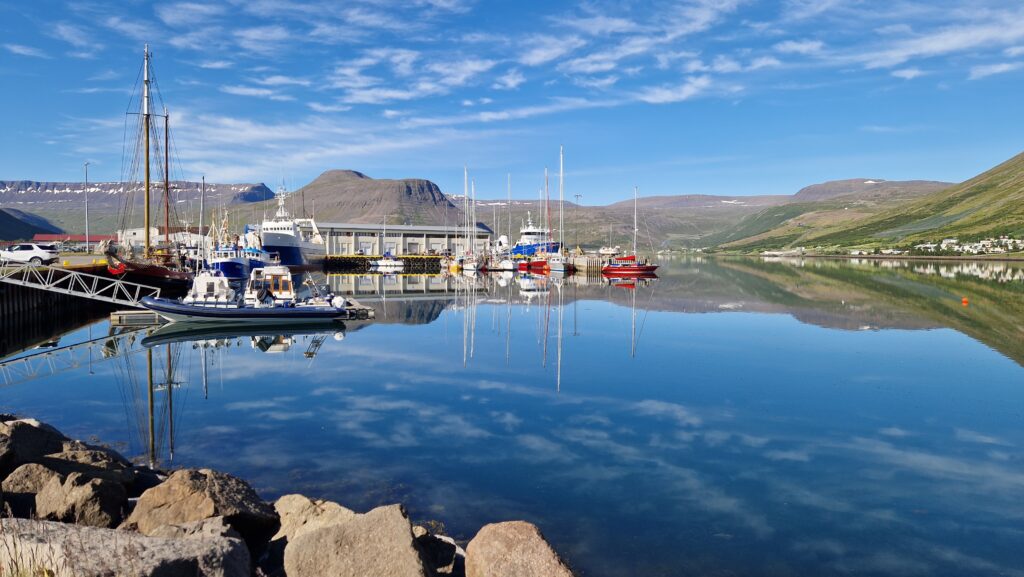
163 266
630 265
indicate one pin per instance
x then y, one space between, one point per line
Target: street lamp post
576 217
87 251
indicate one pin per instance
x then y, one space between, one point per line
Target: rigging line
647 310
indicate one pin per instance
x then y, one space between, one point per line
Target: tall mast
510 208
167 179
465 203
472 242
635 194
561 198
547 208
145 122
202 237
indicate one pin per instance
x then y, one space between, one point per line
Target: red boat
628 266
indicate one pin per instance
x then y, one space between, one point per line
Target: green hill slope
20 225
990 204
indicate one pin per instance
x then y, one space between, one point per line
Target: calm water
764 418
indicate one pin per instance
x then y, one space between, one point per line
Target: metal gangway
54 361
79 284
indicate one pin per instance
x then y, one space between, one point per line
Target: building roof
480 228
72 237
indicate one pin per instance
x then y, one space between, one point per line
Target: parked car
30 253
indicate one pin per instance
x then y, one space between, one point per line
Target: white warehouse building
368 239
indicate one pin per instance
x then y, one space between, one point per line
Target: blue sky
701 96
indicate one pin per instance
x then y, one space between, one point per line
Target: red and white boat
630 266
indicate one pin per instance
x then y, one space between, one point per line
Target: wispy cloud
986 70
257 92
690 88
186 14
22 50
216 65
541 49
800 46
279 80
908 73
509 81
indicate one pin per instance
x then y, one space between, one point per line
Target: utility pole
576 217
87 251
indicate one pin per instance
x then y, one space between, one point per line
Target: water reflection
736 416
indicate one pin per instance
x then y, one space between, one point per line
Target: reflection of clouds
790 455
679 413
969 436
507 419
260 404
894 432
540 449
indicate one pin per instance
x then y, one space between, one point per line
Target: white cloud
257 92
997 29
75 36
1014 51
136 30
459 72
279 80
908 73
22 50
215 64
599 25
542 48
805 47
693 86
319 107
509 81
986 70
187 13
262 39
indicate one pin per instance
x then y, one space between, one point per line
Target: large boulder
92 463
21 487
62 550
81 500
512 549
27 440
196 494
300 514
378 543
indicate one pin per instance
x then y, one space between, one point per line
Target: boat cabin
210 288
270 285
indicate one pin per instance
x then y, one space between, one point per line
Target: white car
30 253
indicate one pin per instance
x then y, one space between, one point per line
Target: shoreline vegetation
72 508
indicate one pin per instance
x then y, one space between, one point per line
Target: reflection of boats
629 265
188 332
388 264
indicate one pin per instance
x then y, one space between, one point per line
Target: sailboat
559 263
506 263
157 266
631 265
388 263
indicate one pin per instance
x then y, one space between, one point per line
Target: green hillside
990 204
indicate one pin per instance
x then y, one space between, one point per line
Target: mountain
63 203
350 196
819 207
990 204
20 225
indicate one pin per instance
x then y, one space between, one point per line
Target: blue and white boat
534 240
296 241
236 263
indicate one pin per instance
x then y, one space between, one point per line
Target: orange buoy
964 301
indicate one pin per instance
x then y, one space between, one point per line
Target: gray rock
22 485
29 439
91 463
8 458
378 543
33 547
299 514
212 527
512 549
80 500
193 495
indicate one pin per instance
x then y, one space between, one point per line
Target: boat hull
629 270
538 248
294 252
175 311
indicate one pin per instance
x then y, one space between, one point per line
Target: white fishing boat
289 238
387 264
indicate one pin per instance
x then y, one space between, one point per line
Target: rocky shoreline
77 509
